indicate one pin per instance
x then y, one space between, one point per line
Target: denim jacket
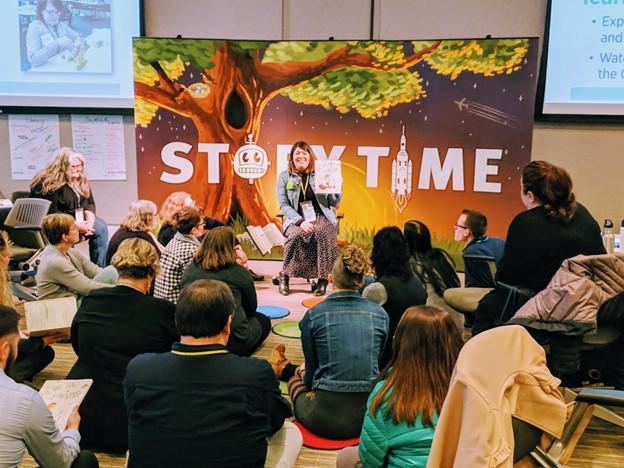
342 339
288 189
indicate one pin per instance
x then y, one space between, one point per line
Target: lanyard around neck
305 189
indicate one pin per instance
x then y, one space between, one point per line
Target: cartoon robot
250 161
402 176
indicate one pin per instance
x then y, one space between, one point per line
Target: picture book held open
50 316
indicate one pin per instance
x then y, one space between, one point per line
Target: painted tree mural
240 77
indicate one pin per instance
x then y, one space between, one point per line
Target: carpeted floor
602 445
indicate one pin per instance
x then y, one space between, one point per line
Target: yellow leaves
485 57
144 112
146 73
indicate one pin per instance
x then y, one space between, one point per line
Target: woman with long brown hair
64 183
216 259
403 407
554 227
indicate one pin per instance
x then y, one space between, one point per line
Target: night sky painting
465 94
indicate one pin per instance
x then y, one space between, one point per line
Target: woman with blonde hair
138 223
403 408
342 340
64 183
111 327
173 203
216 259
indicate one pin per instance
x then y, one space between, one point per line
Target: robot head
250 161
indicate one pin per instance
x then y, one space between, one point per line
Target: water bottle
608 238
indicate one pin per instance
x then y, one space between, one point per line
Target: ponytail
552 186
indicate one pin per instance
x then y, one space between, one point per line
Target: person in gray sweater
64 271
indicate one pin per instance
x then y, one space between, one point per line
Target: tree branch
275 76
159 97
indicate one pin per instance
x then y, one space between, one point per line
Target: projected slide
68 53
585 61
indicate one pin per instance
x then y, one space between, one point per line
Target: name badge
307 209
80 215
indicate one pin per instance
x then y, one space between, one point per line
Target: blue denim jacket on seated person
288 190
342 339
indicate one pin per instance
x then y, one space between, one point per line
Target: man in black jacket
200 405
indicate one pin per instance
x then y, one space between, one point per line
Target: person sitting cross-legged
216 258
404 406
188 222
64 271
111 327
200 404
26 421
342 340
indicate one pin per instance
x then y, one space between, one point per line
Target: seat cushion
465 300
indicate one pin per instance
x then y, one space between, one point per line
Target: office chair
23 226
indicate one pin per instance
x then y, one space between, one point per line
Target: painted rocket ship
402 176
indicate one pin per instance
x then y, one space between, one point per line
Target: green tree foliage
384 76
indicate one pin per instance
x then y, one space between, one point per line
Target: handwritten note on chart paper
100 139
33 140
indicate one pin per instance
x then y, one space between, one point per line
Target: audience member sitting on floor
211 223
310 223
189 225
64 271
25 419
34 353
554 227
403 407
139 222
173 203
200 405
110 328
342 340
216 259
434 267
391 261
471 229
64 183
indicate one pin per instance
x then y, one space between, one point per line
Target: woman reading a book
310 222
216 259
111 327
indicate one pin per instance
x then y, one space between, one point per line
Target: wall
591 153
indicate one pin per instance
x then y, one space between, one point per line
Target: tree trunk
231 74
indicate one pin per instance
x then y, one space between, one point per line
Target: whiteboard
33 140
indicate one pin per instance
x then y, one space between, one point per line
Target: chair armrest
601 396
22 228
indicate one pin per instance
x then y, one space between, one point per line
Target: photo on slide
58 36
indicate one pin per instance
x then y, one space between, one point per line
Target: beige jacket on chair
499 373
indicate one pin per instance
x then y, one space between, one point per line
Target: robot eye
245 157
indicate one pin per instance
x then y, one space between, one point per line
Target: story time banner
423 129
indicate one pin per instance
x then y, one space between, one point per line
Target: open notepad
50 316
61 396
265 238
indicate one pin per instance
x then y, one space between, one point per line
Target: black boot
321 287
284 289
256 276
